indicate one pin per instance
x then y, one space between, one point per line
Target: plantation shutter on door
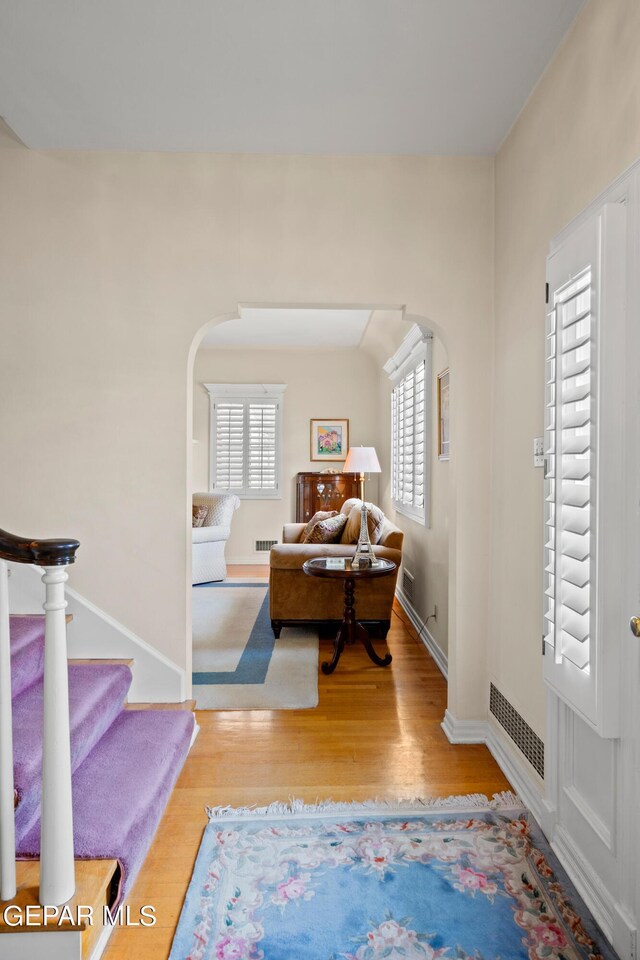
571 449
582 309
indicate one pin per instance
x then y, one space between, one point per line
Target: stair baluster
57 872
7 822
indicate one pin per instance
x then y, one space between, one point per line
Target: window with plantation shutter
246 439
228 441
580 455
410 420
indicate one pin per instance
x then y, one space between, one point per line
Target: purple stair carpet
27 652
96 697
125 762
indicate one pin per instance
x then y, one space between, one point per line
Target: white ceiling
261 327
274 76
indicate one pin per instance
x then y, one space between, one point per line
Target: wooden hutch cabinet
323 491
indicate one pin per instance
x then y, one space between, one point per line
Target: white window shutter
409 439
262 444
583 309
228 441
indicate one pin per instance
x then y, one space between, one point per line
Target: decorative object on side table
364 555
329 439
362 460
350 630
443 415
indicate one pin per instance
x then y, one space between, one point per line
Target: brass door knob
634 623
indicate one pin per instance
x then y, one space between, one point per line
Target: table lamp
362 460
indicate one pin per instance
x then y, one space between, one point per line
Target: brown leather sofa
295 598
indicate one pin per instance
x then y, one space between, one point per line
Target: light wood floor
375 733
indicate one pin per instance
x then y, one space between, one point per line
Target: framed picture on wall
443 415
329 439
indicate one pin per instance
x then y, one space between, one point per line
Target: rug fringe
295 806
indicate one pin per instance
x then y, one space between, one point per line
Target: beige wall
320 383
111 263
580 129
426 549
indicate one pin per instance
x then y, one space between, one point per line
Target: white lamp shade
362 460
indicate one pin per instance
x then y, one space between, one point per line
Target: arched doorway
428 556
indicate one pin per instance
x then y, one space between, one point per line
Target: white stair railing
57 870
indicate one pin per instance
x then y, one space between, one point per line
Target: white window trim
416 347
247 391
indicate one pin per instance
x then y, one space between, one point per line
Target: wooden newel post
57 872
7 822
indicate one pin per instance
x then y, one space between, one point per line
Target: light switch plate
538 452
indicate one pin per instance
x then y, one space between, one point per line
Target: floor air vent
408 581
263 546
528 742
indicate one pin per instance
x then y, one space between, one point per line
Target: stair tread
101 661
122 787
180 705
96 697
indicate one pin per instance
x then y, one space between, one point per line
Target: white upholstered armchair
209 540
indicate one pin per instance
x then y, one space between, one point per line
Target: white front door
592 560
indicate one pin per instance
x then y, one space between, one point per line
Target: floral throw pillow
198 515
316 518
327 531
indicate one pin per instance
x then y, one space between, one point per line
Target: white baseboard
464 731
93 633
586 881
255 558
618 926
523 778
439 657
102 941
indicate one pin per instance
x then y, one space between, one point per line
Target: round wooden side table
350 630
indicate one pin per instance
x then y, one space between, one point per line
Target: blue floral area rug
463 878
